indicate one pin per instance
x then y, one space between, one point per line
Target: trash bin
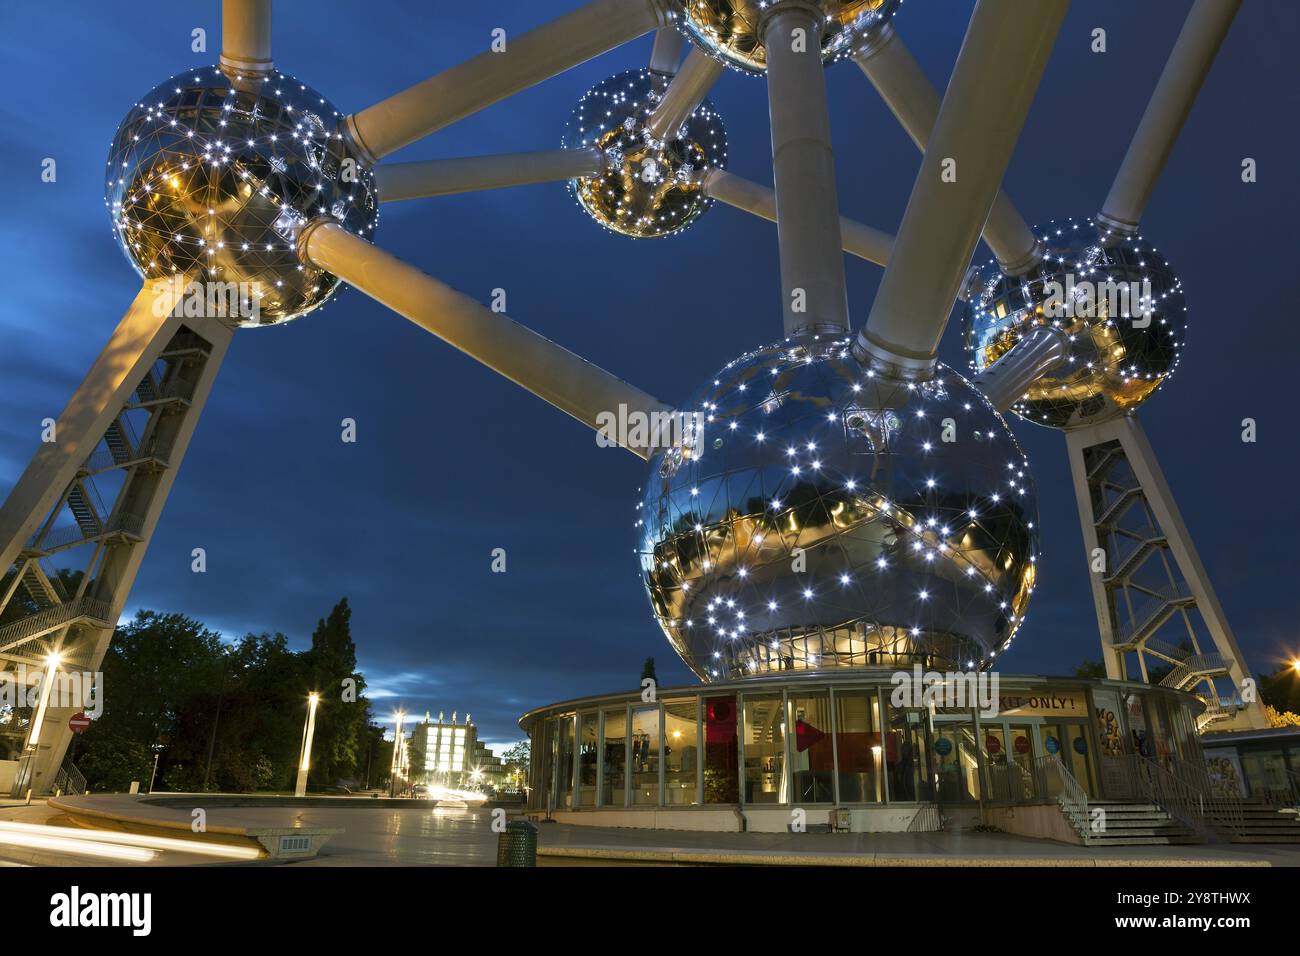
517 844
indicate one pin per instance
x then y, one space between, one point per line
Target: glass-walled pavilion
846 740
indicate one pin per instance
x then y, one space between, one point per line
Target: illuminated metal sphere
1098 286
213 178
822 516
649 187
730 30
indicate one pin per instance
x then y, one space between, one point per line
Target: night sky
452 461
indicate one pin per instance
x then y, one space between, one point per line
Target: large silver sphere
213 178
730 29
1115 297
819 519
649 187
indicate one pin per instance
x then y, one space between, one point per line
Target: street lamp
397 752
33 738
51 668
304 759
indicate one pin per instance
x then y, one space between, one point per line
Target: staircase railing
1218 708
1285 797
1166 603
1070 795
1184 792
1194 668
52 617
1012 783
69 779
58 538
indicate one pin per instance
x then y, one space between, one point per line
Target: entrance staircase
1171 806
1123 823
1261 822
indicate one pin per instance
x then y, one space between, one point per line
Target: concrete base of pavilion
562 845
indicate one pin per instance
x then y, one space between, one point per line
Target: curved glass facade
869 738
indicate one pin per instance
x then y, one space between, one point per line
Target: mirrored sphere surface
730 29
213 178
649 187
821 516
1115 296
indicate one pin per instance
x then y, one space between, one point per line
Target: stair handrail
1207 662
52 617
1072 797
1171 651
68 779
1179 592
61 537
1187 795
1287 798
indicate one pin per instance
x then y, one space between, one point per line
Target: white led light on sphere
1116 299
212 177
827 516
649 187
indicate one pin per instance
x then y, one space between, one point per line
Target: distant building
453 754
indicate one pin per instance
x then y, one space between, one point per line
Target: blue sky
453 462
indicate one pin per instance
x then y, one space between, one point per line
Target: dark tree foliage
227 716
1281 689
1089 669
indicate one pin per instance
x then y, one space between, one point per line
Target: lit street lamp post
397 753
33 738
308 731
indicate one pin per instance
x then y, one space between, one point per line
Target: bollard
517 844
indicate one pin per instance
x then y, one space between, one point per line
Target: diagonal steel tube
246 36
444 177
859 239
993 83
667 50
1198 42
814 297
913 100
527 60
554 374
1005 381
686 91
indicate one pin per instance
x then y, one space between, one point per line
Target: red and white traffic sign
79 723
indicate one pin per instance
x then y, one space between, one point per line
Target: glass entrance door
1069 742
1020 763
955 761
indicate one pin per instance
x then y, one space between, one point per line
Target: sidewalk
561 844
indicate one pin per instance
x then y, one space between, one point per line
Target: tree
1280 718
340 745
225 716
516 760
1089 669
155 670
415 762
379 757
1281 689
648 670
114 761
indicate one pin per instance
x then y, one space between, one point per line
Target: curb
760 858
